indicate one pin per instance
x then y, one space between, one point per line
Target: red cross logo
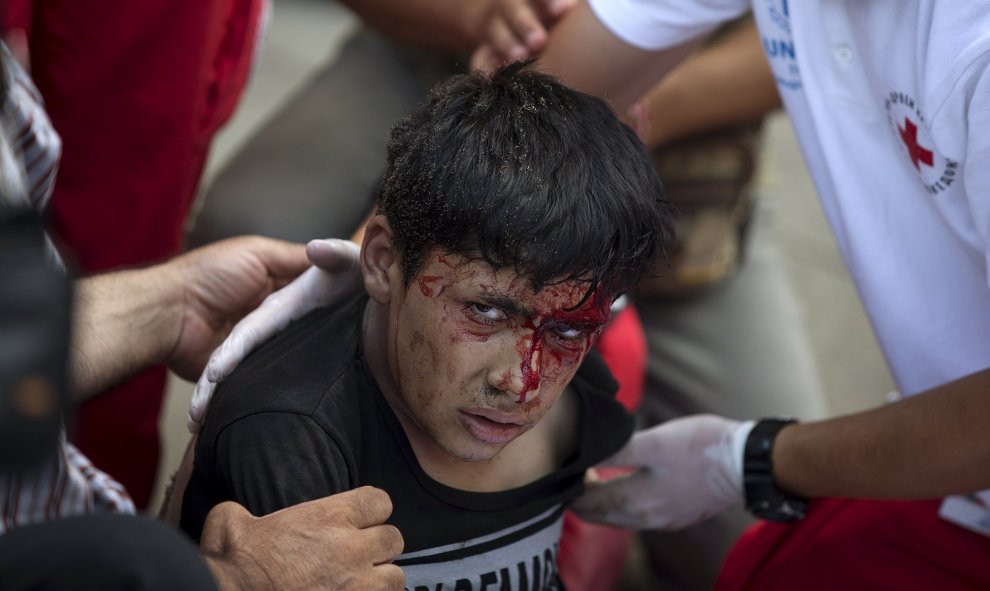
909 136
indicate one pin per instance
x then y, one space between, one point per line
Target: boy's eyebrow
508 304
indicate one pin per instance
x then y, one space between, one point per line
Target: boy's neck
535 454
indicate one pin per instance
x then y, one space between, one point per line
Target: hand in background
516 30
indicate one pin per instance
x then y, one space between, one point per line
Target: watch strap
763 498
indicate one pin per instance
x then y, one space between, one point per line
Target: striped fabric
68 484
27 127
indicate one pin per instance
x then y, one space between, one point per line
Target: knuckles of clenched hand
339 542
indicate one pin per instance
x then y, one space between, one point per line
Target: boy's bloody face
477 357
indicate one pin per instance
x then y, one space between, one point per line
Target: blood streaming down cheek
530 375
593 314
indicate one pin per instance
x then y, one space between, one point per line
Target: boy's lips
492 426
496 416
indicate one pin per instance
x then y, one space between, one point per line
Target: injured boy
512 213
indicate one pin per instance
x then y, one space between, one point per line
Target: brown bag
709 179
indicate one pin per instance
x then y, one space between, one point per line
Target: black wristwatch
763 498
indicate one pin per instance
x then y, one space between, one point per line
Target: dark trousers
106 552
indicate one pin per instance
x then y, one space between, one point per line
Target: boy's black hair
521 171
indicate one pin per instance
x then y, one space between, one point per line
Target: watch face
784 510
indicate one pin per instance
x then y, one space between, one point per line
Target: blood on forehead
564 302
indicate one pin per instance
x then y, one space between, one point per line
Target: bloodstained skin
589 320
427 283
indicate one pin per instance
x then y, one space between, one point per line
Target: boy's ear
379 265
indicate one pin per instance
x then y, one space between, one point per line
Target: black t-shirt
303 418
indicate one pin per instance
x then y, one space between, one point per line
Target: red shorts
136 90
859 544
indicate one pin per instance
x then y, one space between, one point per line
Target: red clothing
592 556
136 90
860 544
623 347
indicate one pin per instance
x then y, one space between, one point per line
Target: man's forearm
927 446
727 83
123 321
584 54
450 25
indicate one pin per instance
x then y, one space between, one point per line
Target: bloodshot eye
568 333
575 334
484 313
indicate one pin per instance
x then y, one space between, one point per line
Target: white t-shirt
890 101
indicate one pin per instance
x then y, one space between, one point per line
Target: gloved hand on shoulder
334 277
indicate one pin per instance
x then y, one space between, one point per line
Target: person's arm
927 446
272 460
122 321
175 312
282 464
339 543
584 54
726 83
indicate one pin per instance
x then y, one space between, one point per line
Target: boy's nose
521 378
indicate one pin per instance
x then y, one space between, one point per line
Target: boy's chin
476 452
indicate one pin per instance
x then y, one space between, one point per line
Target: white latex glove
334 277
689 469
